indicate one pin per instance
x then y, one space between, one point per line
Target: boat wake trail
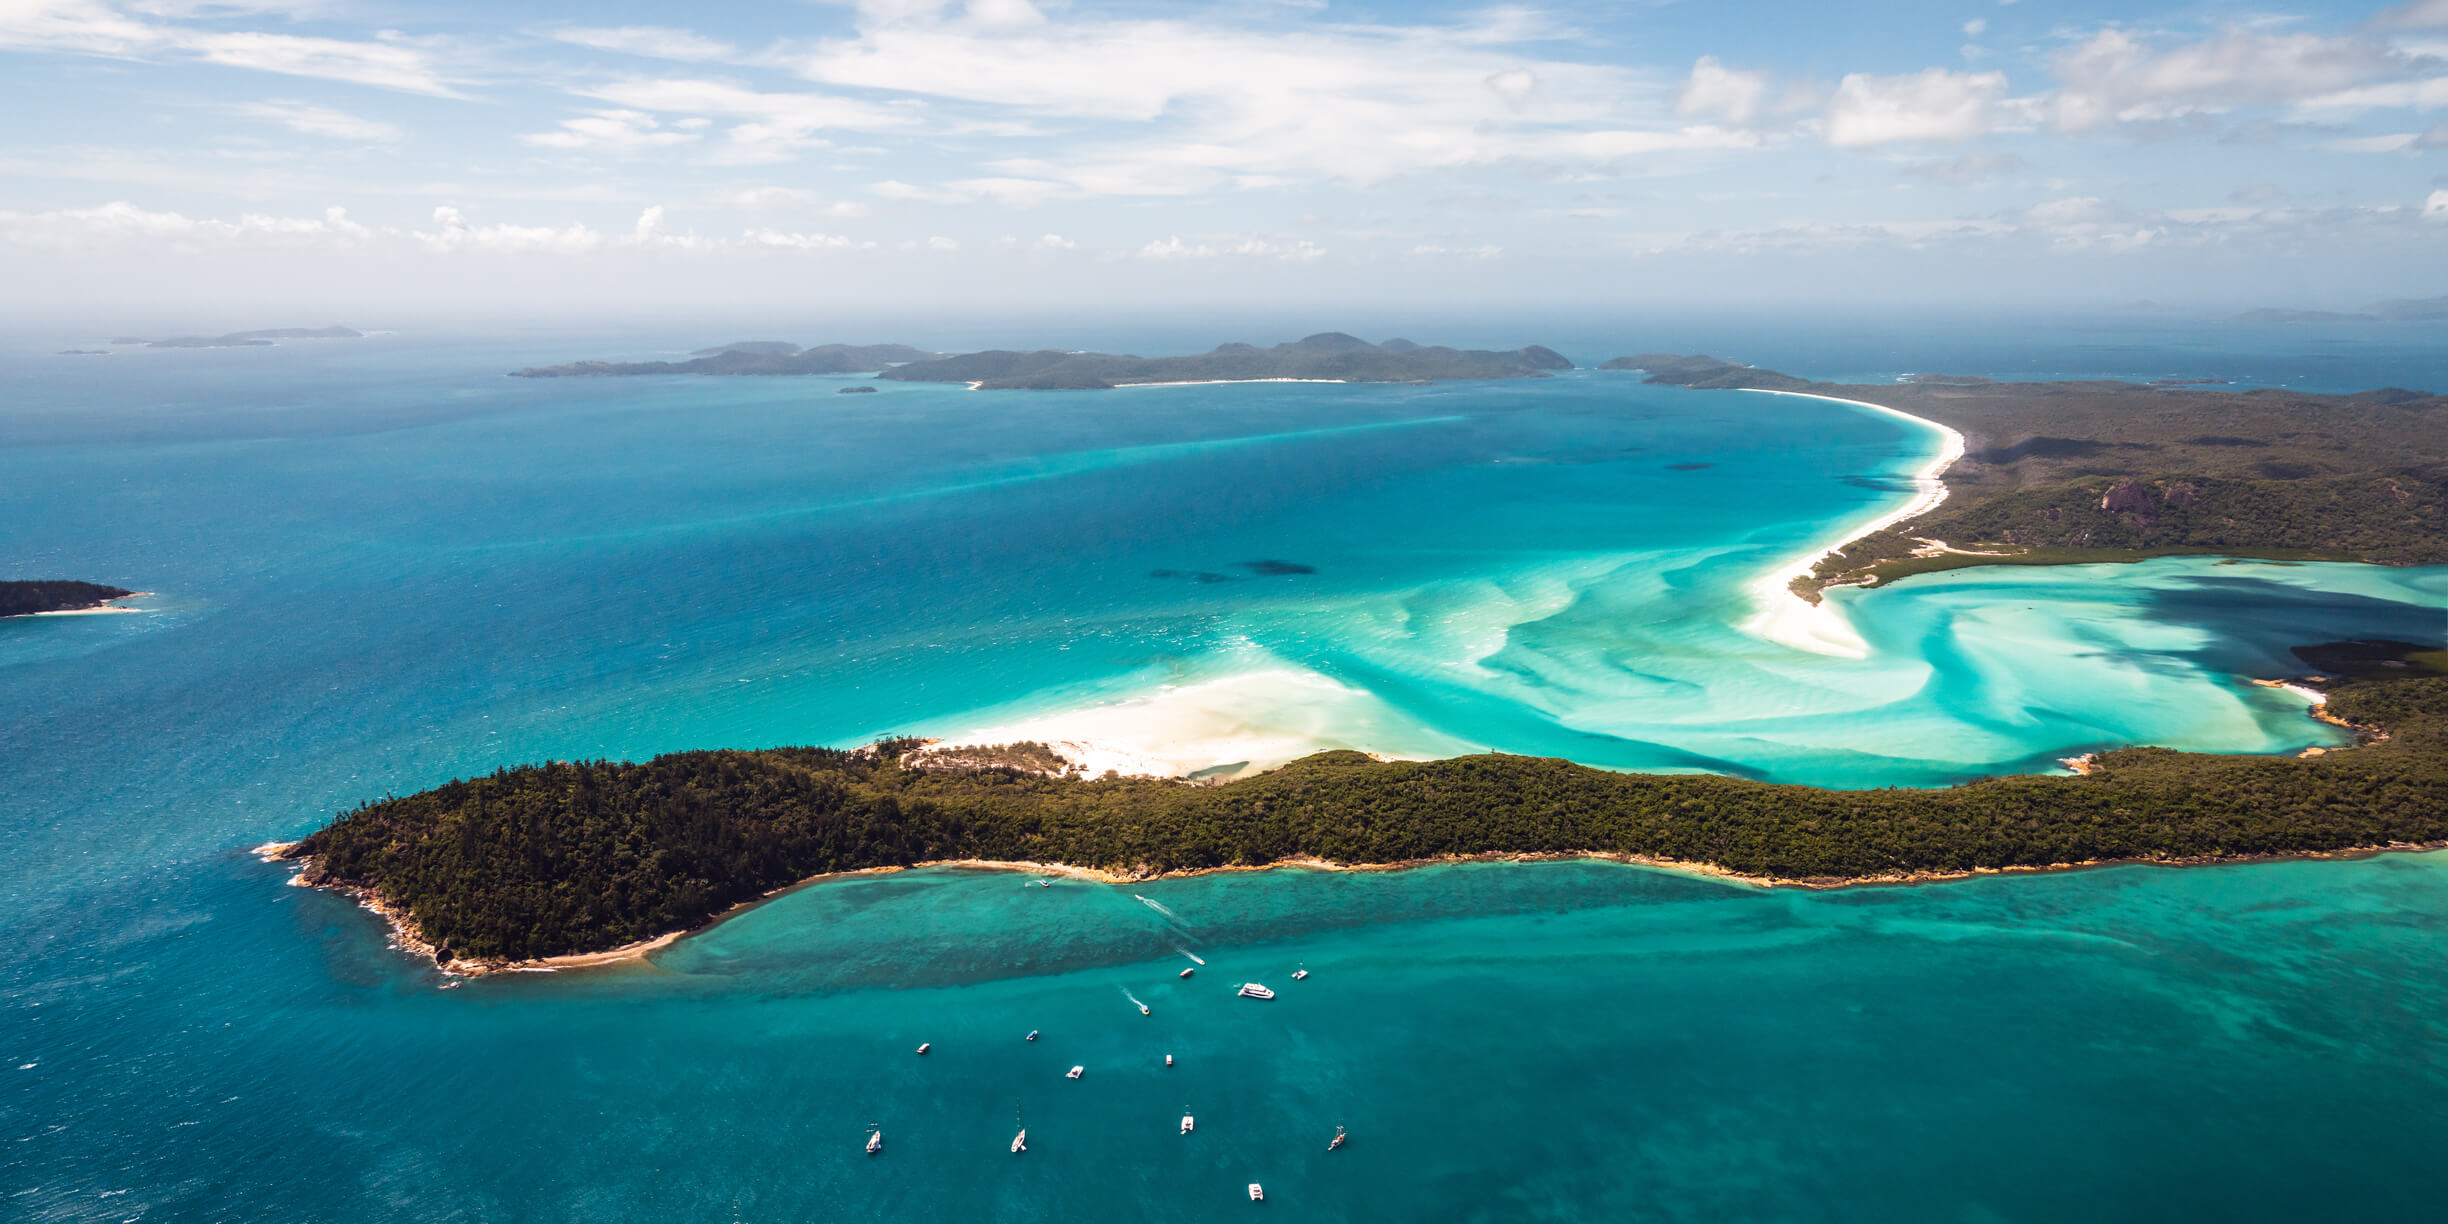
1159 907
1194 957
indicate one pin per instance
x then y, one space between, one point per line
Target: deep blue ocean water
379 564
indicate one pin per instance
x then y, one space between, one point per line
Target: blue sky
627 154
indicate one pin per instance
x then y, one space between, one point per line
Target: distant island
1325 357
2069 472
2398 310
747 357
247 339
575 859
30 598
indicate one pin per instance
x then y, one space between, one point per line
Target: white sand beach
1790 620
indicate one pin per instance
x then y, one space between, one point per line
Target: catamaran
1257 1193
1252 990
1298 974
1187 1124
1075 1073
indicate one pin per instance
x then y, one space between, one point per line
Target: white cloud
1486 250
2435 206
1055 242
323 121
1934 105
773 126
611 131
1231 245
2116 76
941 243
1206 104
1718 92
95 27
453 233
800 242
122 224
1976 27
652 42
2418 15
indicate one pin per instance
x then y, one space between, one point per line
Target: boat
1257 1193
1298 974
1168 1060
1188 972
925 1046
1075 1072
875 1142
1187 1124
1143 1010
1045 883
1252 990
1337 1141
1032 1035
1020 1142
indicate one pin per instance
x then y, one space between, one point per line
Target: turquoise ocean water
380 564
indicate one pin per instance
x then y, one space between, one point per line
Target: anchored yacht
1337 1141
1257 1193
1168 1060
1020 1142
1075 1072
1188 1123
1298 974
1252 990
875 1142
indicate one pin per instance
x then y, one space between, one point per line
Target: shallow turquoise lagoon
382 565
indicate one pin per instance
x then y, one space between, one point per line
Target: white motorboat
1337 1141
1075 1073
1020 1143
1298 974
1188 972
1188 1123
1168 1060
1032 1035
925 1046
875 1142
1257 1193
1252 990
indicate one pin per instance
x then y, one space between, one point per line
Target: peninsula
33 598
573 858
1325 357
2072 472
747 357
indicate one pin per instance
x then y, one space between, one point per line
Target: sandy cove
1790 620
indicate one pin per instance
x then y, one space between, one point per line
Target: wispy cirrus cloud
141 31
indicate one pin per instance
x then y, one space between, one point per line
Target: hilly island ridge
1325 357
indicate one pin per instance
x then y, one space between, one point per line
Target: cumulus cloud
1936 105
2435 206
800 242
453 232
122 224
1715 91
1227 246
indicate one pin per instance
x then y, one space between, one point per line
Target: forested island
2066 472
577 857
55 595
747 357
1325 357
